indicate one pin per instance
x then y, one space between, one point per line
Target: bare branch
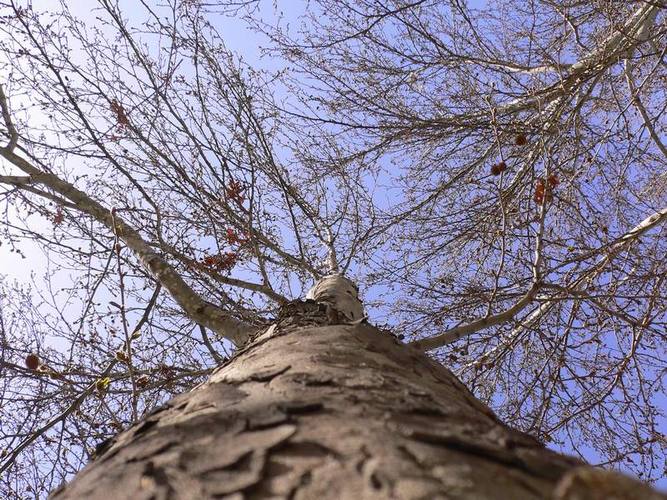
6 116
194 306
548 304
80 398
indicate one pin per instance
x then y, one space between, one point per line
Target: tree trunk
314 410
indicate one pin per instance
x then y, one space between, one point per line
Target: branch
618 45
248 285
77 402
645 225
207 342
25 183
6 116
332 259
634 96
458 332
454 334
16 180
648 223
197 309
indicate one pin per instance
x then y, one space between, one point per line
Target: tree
289 417
527 138
181 192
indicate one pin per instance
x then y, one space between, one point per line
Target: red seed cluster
234 238
221 262
32 361
544 189
498 168
58 217
520 140
234 191
121 117
553 181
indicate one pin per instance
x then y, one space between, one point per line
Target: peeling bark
313 410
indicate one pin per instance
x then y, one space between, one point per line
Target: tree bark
314 410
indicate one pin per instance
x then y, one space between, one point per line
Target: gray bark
314 410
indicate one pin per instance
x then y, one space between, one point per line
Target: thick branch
6 116
16 180
618 44
634 95
197 309
648 223
456 333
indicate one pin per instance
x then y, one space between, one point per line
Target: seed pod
32 361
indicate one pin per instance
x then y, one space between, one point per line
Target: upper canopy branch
458 332
197 309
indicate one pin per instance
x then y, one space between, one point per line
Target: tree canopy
491 174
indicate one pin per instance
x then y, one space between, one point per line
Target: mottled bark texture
310 410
